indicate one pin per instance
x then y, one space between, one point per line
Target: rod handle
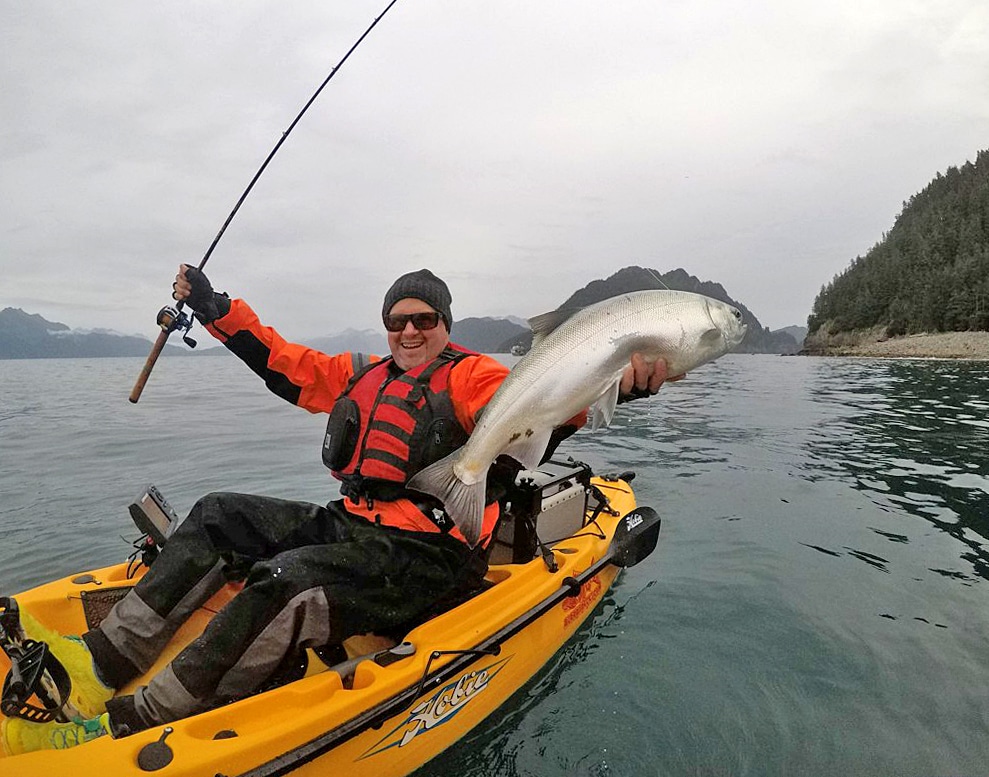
149 365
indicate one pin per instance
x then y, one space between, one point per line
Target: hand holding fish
643 377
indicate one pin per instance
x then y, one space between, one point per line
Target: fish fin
545 323
603 409
529 449
463 502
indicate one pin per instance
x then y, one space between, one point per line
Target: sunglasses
421 321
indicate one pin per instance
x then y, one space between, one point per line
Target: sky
518 149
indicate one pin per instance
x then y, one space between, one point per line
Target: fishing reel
171 319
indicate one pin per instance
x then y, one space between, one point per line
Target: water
817 604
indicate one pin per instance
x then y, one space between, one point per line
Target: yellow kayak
391 707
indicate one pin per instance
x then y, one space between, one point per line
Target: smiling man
379 559
414 334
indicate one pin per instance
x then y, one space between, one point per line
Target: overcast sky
519 148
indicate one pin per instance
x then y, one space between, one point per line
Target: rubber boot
19 736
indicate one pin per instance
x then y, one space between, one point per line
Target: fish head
727 327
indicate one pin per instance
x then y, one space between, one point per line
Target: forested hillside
930 273
29 336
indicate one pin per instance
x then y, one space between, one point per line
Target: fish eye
737 313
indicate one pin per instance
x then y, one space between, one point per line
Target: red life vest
387 425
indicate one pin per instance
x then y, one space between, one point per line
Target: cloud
520 150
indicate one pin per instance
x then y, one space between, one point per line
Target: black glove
207 304
635 393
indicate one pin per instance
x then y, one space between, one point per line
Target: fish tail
463 502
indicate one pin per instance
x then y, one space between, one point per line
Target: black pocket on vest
342 430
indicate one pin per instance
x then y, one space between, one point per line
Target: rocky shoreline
872 343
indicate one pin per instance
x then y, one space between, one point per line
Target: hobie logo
632 520
445 704
439 708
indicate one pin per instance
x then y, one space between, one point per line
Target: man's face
412 347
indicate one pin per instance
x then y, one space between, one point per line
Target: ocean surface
818 603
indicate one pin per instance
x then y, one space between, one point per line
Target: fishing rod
174 318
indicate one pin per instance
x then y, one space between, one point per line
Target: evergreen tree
929 273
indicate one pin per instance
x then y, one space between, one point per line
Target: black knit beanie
421 284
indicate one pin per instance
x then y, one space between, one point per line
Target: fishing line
285 134
172 318
656 277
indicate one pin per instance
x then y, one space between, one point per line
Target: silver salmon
575 363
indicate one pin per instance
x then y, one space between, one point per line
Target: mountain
929 273
29 336
359 341
798 333
757 338
487 335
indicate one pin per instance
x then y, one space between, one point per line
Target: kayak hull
390 716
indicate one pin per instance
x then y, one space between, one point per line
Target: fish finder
153 515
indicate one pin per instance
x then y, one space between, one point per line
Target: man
381 558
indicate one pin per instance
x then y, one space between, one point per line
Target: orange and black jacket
315 381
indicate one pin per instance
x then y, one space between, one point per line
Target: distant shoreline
937 345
